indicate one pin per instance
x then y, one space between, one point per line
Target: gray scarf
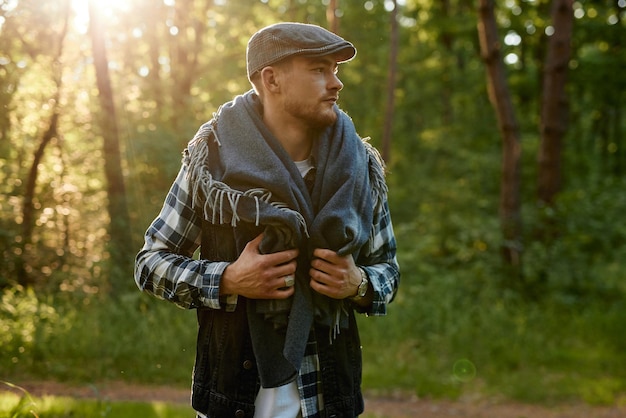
253 184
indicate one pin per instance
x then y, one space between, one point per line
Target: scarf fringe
214 196
377 171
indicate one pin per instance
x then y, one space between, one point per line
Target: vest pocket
225 370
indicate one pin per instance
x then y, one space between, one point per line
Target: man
289 207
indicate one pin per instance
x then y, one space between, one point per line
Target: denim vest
225 379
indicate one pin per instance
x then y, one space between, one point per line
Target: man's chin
324 119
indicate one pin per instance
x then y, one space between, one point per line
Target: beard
315 116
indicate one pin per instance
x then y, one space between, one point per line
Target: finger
315 285
284 270
290 280
321 277
318 285
321 265
282 257
323 289
282 282
282 292
254 244
324 254
317 262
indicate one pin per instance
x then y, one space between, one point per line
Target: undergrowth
442 338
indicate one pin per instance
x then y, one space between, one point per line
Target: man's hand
259 276
334 276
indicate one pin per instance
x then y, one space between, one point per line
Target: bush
85 339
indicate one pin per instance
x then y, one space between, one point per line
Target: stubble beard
314 117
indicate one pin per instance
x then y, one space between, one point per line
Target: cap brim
342 53
345 54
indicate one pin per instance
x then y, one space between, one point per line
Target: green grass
15 406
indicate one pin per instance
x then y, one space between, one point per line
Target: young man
289 207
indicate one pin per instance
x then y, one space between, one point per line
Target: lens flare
464 370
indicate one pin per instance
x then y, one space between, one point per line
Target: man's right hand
259 276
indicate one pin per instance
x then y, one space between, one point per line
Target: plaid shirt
166 268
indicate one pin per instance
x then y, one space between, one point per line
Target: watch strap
362 289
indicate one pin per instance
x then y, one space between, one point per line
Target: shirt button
248 364
240 413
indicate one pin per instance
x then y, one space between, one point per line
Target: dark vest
225 379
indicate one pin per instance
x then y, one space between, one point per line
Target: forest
503 128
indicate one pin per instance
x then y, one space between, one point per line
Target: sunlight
107 8
511 59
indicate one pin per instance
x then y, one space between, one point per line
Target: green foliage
135 338
26 324
61 407
21 406
584 245
451 338
557 337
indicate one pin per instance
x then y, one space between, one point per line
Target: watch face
363 288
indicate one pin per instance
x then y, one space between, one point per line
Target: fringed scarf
253 181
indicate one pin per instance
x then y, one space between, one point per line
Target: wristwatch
362 289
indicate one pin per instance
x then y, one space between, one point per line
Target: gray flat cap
281 40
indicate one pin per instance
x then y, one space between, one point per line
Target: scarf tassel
218 193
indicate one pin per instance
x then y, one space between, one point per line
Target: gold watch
362 289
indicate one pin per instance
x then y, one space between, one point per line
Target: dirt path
383 407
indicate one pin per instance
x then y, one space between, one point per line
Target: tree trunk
152 33
554 105
510 201
31 181
447 41
391 83
185 48
331 16
120 245
28 208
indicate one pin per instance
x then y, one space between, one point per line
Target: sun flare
106 8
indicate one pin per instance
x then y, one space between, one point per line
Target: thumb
254 244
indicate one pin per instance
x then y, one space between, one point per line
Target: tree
554 104
510 199
28 209
391 82
331 16
51 132
186 48
119 231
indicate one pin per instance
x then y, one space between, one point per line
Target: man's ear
270 78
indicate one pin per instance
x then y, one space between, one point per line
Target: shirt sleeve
380 262
165 266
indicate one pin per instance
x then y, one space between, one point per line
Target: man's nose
335 83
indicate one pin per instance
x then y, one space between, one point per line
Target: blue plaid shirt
166 268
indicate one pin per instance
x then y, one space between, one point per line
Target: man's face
311 88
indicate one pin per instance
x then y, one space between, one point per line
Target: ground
385 407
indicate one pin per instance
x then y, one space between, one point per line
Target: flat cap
281 40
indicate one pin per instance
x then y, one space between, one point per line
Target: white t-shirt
280 402
304 166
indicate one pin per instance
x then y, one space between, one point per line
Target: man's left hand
332 275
